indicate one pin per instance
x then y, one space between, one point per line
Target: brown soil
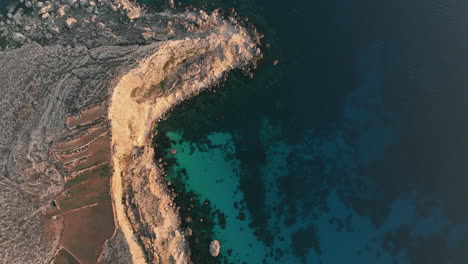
86 230
86 117
97 145
85 139
95 154
85 204
100 172
84 193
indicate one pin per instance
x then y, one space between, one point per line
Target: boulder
18 37
147 35
45 9
54 29
133 13
214 248
17 18
63 10
70 22
45 16
60 12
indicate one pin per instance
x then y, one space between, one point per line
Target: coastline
137 70
121 221
132 121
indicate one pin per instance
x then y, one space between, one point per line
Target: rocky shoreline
134 64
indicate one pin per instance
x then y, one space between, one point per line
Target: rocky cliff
82 84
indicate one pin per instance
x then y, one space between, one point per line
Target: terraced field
85 206
64 257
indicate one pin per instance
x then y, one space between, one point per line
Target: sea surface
353 149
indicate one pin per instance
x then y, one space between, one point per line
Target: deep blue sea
353 149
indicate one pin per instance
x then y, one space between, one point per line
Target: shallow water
351 150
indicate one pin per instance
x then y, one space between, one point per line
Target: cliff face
176 71
75 113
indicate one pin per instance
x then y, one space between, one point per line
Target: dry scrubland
82 84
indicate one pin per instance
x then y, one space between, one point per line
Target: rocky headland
82 85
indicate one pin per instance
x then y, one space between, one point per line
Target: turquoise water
215 176
352 150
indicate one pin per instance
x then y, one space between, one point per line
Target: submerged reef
82 85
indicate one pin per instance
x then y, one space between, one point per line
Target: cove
351 149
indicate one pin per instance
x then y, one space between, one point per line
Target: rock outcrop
215 247
54 67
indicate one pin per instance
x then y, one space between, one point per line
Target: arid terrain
82 85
